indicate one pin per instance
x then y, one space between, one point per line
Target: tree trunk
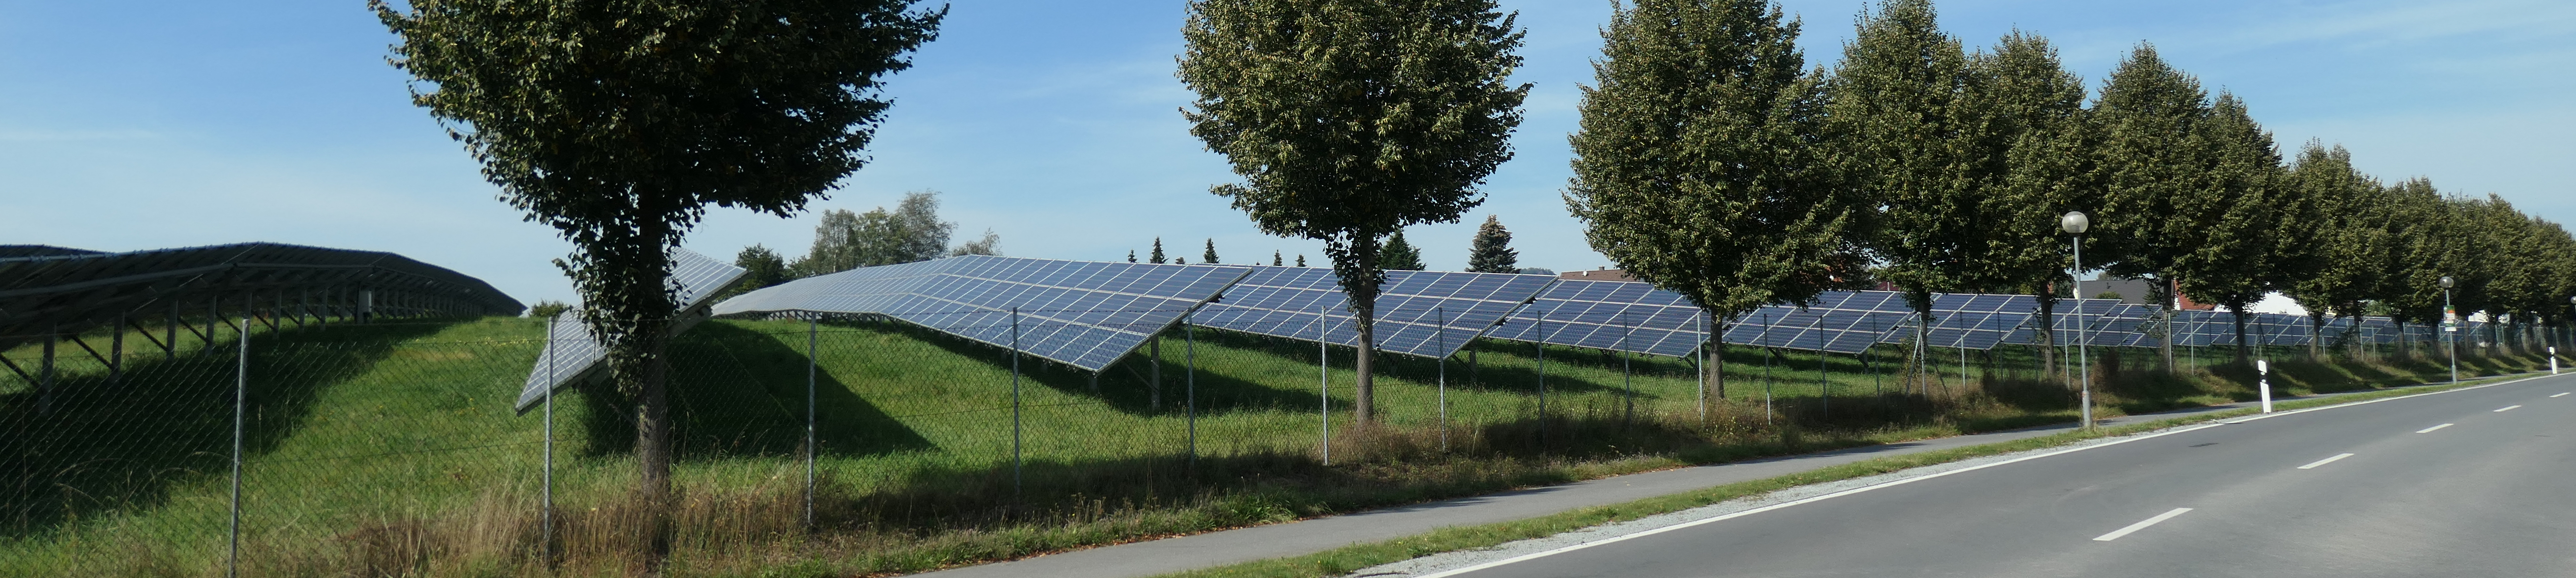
2244 350
1364 389
2047 297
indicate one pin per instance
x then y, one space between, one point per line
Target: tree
2421 251
1399 255
985 245
1350 119
2149 155
1276 260
2226 224
2031 150
761 268
911 232
1301 259
1898 113
1210 255
1492 250
1157 256
1700 164
619 122
1131 255
2346 232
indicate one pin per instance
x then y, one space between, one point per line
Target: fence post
1541 347
241 398
546 495
1324 383
1190 385
812 336
1628 415
1440 333
1015 408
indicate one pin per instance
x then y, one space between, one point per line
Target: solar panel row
1422 313
1080 313
572 351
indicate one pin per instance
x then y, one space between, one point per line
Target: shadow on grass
740 393
113 445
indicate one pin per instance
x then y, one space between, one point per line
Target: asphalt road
2473 482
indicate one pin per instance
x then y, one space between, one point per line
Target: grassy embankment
391 450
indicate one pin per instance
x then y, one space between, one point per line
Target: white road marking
2430 429
2563 394
2506 408
2313 465
2141 525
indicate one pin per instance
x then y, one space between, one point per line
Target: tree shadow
735 393
100 445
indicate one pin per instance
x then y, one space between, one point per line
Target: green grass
391 449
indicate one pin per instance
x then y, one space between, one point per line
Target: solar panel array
1615 315
1838 322
1421 313
572 350
1080 313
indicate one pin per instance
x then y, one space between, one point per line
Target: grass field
391 449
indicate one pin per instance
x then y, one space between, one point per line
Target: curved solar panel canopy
55 290
573 352
1430 314
1086 314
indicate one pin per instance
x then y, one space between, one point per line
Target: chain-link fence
394 448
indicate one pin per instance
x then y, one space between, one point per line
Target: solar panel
1081 313
1837 322
572 351
1421 313
1974 321
1615 315
2106 322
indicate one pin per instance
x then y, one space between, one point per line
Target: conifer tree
1301 259
1351 119
1131 255
1157 256
1399 255
1276 260
1210 255
1492 250
1700 166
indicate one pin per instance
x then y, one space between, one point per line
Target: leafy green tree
1350 119
1700 165
761 268
2150 155
2421 251
2347 226
1492 250
2030 155
911 232
989 244
619 122
547 309
1899 115
1157 256
2227 224
1210 255
1399 255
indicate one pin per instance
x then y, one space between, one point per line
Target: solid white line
1894 483
2506 408
2563 394
2313 465
2430 429
2168 515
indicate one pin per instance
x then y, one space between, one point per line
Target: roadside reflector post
2553 360
2263 382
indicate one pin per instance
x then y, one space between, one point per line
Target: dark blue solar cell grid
1974 321
1837 322
1080 313
1614 315
1420 313
570 347
2107 323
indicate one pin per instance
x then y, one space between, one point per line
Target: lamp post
2075 223
2450 329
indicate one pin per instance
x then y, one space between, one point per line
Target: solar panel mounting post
546 494
1628 414
1824 389
1542 379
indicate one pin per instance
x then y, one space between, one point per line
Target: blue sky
148 124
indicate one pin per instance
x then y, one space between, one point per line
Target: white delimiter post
2263 382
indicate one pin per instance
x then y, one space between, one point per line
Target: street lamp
2075 223
2450 329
